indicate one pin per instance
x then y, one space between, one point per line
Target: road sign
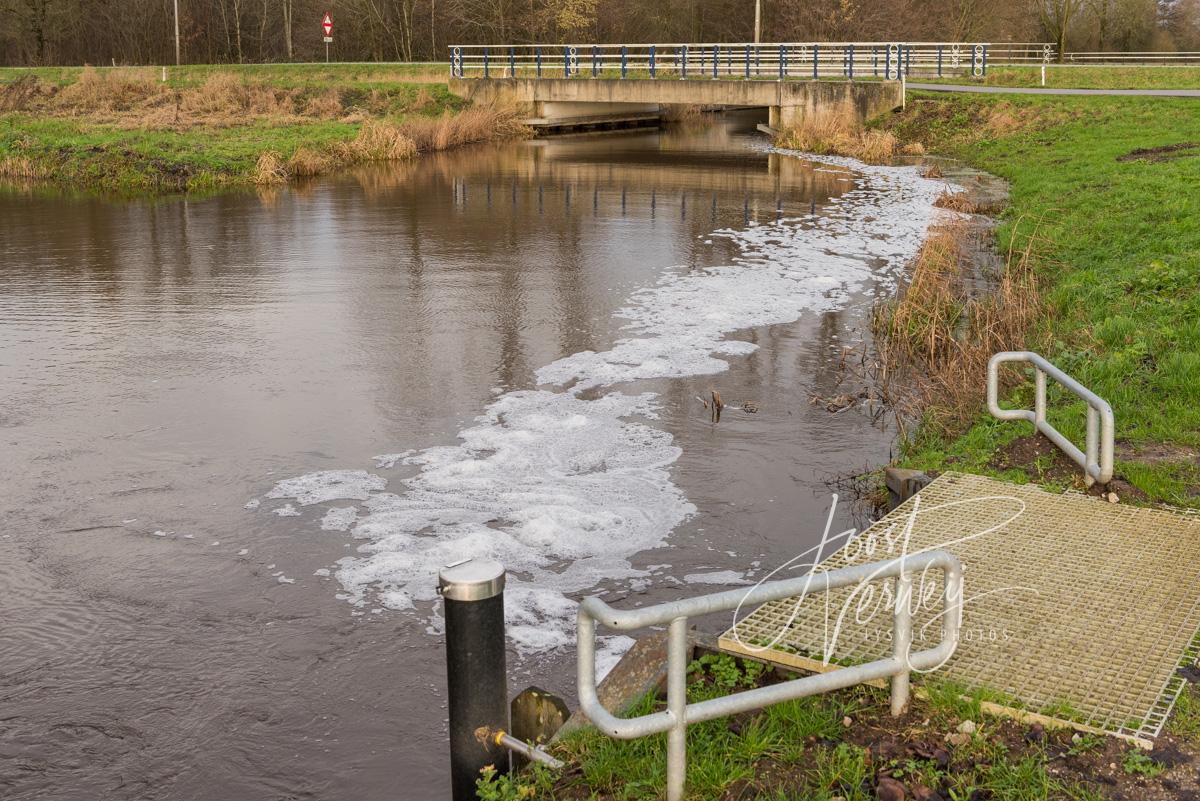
328 39
327 24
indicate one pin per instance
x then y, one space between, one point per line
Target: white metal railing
721 61
1138 59
679 713
1097 461
1021 53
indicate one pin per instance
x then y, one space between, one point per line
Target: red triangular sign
327 23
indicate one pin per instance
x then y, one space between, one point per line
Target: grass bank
1104 209
205 128
1071 77
846 745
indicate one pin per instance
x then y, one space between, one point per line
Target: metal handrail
679 713
720 60
1097 461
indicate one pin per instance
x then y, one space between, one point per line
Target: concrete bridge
565 99
851 80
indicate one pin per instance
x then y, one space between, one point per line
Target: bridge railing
724 61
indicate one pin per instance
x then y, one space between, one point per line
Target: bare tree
1057 16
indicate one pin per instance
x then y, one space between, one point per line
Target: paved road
1024 90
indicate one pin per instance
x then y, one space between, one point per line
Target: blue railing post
512 62
566 62
683 68
757 61
887 63
652 61
816 61
875 60
595 61
782 54
716 59
747 62
624 61
850 60
939 61
539 62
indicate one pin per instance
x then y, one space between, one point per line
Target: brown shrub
913 149
934 171
827 133
956 201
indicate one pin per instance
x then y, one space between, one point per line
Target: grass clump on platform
829 134
1103 202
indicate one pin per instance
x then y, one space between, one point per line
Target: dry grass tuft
381 141
325 106
475 124
913 149
948 333
306 162
21 168
24 93
112 91
934 171
956 201
832 134
270 170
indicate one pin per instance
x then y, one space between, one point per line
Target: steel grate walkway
1075 608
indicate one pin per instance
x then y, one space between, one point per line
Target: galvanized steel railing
722 61
1097 461
1133 59
679 713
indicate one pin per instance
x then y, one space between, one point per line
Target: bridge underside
789 101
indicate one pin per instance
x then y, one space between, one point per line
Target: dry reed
939 335
475 124
827 133
20 167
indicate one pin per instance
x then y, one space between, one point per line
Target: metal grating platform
1076 608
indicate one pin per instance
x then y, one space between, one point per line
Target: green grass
118 152
793 750
123 161
279 75
1065 77
1118 262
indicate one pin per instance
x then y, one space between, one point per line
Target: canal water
240 433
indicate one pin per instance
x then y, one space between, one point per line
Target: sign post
327 26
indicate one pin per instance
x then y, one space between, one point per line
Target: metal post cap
471 580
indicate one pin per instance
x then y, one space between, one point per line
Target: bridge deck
1075 608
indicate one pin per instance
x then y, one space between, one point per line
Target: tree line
49 32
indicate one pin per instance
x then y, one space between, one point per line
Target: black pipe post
473 595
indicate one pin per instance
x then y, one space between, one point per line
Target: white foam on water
339 518
565 491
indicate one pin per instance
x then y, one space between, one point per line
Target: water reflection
162 362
